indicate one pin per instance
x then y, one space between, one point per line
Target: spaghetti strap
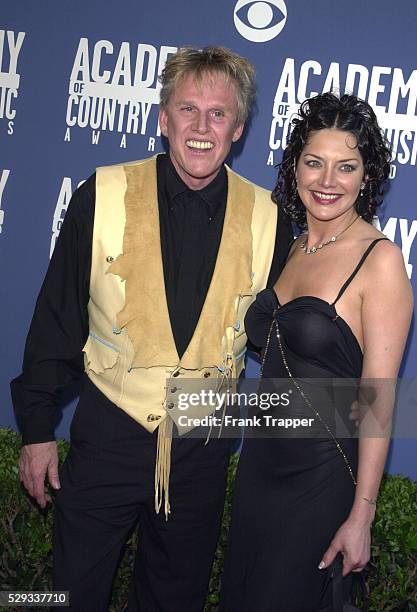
358 267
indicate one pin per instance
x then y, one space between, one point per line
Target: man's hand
37 460
355 413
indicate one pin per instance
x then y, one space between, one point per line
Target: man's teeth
198 144
326 196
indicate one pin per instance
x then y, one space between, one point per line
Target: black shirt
191 224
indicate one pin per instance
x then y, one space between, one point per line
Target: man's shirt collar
213 194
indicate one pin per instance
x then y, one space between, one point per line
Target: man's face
200 124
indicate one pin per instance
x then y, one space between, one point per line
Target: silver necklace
314 249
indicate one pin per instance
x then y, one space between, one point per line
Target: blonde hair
211 61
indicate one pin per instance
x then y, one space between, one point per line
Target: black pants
107 484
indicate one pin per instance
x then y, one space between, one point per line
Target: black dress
292 494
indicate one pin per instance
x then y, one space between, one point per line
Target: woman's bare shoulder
385 269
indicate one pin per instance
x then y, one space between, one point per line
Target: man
156 265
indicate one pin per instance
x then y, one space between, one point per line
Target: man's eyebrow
187 102
219 106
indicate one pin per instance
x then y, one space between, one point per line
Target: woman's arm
386 315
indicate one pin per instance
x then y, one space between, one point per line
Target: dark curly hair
346 113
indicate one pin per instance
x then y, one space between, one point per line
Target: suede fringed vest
130 354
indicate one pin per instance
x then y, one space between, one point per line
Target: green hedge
25 540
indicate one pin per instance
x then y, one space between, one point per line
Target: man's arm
284 237
283 240
53 352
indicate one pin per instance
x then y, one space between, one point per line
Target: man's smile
199 144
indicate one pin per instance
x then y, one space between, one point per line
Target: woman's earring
362 189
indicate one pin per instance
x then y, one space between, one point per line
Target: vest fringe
163 466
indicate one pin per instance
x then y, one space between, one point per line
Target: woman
340 309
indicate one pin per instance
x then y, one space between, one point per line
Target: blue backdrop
78 89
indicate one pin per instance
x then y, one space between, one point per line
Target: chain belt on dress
300 390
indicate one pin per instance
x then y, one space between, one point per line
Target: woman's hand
353 540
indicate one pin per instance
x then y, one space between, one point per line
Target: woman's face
329 174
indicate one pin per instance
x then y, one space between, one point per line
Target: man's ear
238 132
163 122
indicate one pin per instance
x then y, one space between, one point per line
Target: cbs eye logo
256 22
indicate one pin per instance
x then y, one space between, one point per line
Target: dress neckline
318 299
339 295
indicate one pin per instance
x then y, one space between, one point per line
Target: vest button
109 259
207 374
153 417
171 405
173 389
